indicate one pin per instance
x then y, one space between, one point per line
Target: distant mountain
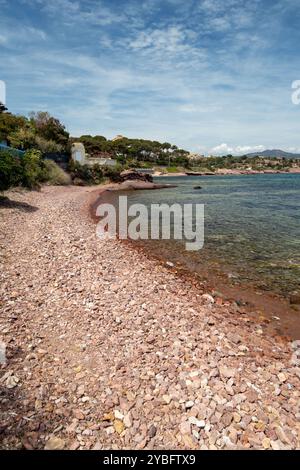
274 153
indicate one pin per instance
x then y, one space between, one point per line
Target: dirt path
107 349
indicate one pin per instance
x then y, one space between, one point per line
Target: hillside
275 153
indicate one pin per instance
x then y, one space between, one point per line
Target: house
194 156
91 161
118 137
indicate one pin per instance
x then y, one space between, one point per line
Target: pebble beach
106 348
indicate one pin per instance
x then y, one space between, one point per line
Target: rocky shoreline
108 349
224 172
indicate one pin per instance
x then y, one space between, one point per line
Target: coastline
279 317
124 348
225 172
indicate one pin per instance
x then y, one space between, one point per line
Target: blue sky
208 75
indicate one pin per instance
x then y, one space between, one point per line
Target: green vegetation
172 169
33 171
56 175
229 162
28 171
40 131
42 135
10 170
133 152
96 174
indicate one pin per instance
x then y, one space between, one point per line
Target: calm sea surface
252 227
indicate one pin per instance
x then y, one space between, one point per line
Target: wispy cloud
3 39
172 39
89 11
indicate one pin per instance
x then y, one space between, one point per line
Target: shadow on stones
6 203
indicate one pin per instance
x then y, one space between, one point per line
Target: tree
49 128
3 108
23 138
9 123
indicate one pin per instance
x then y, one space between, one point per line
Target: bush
81 173
86 174
55 175
11 172
172 169
112 173
33 169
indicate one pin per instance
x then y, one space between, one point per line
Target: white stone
197 422
2 353
118 415
208 298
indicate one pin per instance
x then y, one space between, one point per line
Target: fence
6 148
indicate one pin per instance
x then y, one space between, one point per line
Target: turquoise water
252 226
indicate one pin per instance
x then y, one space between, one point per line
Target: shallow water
252 227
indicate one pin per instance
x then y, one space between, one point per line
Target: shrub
172 169
55 175
10 170
81 173
33 169
112 173
95 174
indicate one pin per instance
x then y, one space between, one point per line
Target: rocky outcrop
129 175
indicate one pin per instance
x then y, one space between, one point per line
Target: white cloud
225 149
3 39
227 16
172 47
23 34
171 39
35 32
81 12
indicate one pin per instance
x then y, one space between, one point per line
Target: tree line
43 132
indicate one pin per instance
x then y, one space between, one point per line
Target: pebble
167 399
127 420
281 377
78 414
197 422
185 427
266 443
226 372
118 415
12 381
152 431
55 443
2 353
119 426
208 299
189 404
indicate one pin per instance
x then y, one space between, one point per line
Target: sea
252 228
